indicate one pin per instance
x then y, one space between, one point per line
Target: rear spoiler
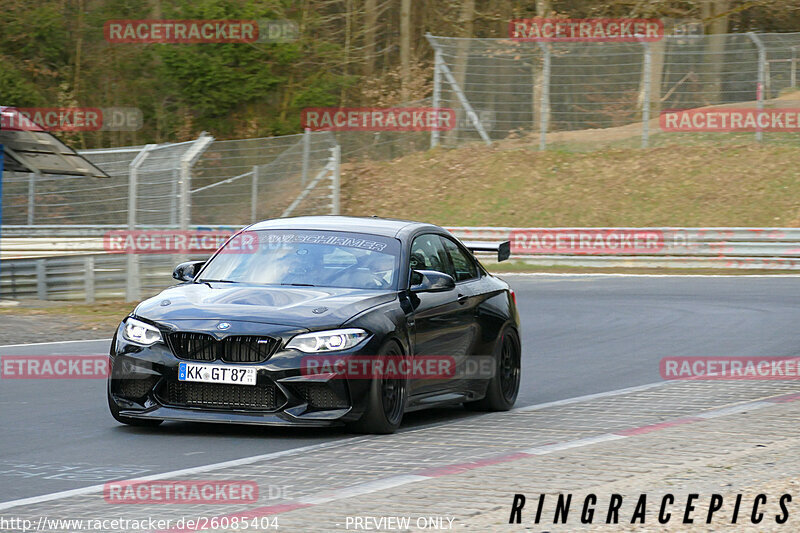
502 249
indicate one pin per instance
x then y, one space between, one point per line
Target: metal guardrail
665 247
75 270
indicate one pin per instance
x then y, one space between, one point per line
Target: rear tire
504 386
386 400
137 422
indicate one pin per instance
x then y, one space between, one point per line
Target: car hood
306 307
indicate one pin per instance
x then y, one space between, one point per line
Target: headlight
140 333
328 341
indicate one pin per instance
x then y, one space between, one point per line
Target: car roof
386 227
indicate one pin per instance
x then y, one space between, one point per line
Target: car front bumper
143 384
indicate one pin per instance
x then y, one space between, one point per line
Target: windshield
309 258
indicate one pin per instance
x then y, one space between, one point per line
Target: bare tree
715 18
466 20
405 48
370 32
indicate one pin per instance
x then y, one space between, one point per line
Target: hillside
744 184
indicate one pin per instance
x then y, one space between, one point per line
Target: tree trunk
466 21
405 48
715 19
370 31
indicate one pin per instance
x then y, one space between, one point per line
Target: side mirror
431 281
187 271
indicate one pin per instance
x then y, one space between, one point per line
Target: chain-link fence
562 93
204 181
187 186
566 95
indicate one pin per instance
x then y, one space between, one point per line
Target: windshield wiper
299 284
217 281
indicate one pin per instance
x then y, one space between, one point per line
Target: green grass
704 184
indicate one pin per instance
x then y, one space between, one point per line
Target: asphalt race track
580 335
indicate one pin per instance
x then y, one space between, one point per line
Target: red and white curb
458 468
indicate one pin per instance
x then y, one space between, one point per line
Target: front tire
386 400
504 386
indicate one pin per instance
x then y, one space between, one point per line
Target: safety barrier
751 248
72 264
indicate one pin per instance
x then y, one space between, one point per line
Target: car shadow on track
411 421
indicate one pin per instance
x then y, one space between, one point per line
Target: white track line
175 473
595 396
400 479
52 342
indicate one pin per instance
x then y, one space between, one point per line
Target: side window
463 263
427 253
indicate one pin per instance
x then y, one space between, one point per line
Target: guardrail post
760 85
41 279
88 278
32 196
254 196
544 105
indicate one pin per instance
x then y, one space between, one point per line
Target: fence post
88 278
762 61
173 216
188 160
132 260
336 154
306 154
32 196
793 68
437 91
647 67
41 279
254 196
544 105
462 98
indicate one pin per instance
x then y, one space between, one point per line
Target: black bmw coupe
320 321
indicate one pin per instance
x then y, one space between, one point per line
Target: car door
438 317
469 295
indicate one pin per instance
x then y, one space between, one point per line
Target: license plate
232 375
